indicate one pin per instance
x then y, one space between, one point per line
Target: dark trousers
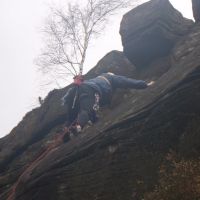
86 103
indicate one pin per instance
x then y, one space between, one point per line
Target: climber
85 96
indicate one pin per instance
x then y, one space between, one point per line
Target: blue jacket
106 83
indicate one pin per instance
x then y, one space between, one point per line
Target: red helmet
78 79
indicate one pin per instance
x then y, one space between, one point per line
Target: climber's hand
150 83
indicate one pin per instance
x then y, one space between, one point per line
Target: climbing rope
58 140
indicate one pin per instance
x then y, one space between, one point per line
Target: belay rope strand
27 172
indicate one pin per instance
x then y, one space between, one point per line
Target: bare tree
69 32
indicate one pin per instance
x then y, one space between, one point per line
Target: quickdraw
96 104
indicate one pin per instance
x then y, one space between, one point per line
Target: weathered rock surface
196 10
151 30
114 61
119 157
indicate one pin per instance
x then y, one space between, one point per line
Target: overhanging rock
150 31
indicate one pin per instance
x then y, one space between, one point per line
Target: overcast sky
20 43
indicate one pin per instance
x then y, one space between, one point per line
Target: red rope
26 174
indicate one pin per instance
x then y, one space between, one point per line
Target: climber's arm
124 82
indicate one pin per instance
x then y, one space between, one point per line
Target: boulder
150 31
115 62
196 10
